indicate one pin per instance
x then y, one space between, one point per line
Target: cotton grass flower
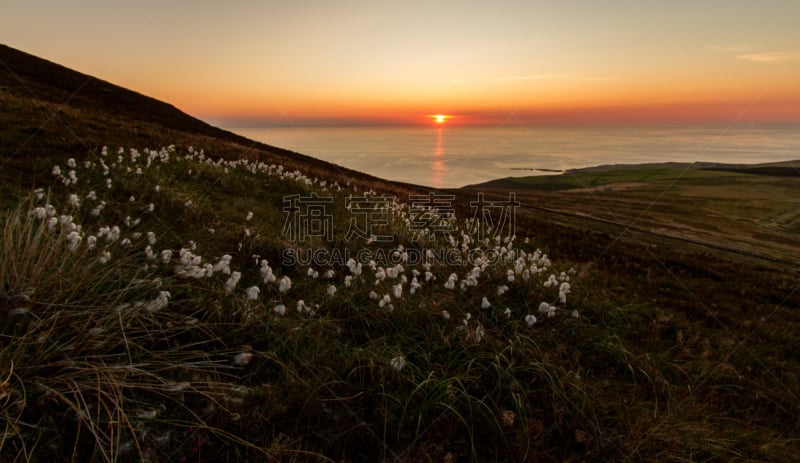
397 363
485 304
252 293
280 309
530 319
285 284
232 282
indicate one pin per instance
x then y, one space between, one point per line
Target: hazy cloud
771 57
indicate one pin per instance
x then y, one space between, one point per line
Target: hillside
173 292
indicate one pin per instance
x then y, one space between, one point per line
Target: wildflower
74 239
301 306
510 276
312 273
166 256
479 333
451 281
252 293
485 304
151 237
530 319
397 363
397 291
232 281
51 223
56 170
73 200
159 302
91 241
348 281
445 315
502 290
39 212
104 257
507 312
574 313
266 272
384 301
428 276
328 274
151 207
242 358
223 264
280 309
414 286
285 284
249 216
331 290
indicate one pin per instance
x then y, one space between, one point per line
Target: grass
213 375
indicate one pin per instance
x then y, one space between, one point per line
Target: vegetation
149 312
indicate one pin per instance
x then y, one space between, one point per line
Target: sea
452 156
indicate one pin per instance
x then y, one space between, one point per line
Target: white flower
544 307
507 312
451 281
479 333
56 170
280 309
348 281
73 200
301 306
285 284
485 304
397 291
445 315
232 281
252 293
397 363
312 273
530 319
384 301
249 216
266 272
223 265
331 290
502 290
242 358
159 302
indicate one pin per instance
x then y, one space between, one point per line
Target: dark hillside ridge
46 108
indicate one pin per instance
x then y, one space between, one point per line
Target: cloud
771 57
528 77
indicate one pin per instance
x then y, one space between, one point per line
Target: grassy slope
680 352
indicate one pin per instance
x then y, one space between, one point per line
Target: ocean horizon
452 156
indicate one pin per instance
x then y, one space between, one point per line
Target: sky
377 62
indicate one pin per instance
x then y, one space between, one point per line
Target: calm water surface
447 157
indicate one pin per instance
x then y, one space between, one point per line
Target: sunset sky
375 62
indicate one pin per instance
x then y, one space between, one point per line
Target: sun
440 118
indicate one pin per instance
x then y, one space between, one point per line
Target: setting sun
440 118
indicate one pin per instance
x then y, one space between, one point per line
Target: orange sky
359 62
